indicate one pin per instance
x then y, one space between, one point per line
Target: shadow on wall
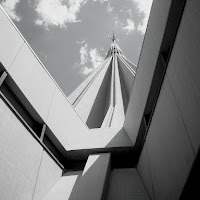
97 181
83 185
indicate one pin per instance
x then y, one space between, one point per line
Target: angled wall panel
168 146
10 41
133 115
33 80
146 67
126 184
64 121
49 174
184 71
144 172
157 20
20 156
65 187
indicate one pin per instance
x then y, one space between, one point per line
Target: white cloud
129 12
86 70
117 21
101 49
84 54
101 1
109 8
80 42
95 58
10 7
90 59
58 12
144 6
130 26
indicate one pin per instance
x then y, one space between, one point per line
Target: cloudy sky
71 37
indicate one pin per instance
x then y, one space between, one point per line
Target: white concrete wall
146 65
133 115
64 121
33 81
21 160
65 188
158 19
94 180
141 87
11 42
126 184
20 156
88 184
48 175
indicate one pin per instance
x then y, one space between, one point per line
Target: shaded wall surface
126 184
173 138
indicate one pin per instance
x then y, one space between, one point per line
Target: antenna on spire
113 38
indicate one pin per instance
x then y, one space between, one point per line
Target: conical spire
101 100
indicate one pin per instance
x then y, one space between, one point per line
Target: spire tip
113 38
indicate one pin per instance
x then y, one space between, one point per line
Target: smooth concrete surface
20 156
33 81
65 188
99 108
142 83
144 172
104 137
94 180
133 115
126 184
157 20
64 122
89 184
85 104
169 148
48 176
10 40
184 71
107 137
146 67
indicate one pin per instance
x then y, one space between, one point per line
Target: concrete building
128 133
